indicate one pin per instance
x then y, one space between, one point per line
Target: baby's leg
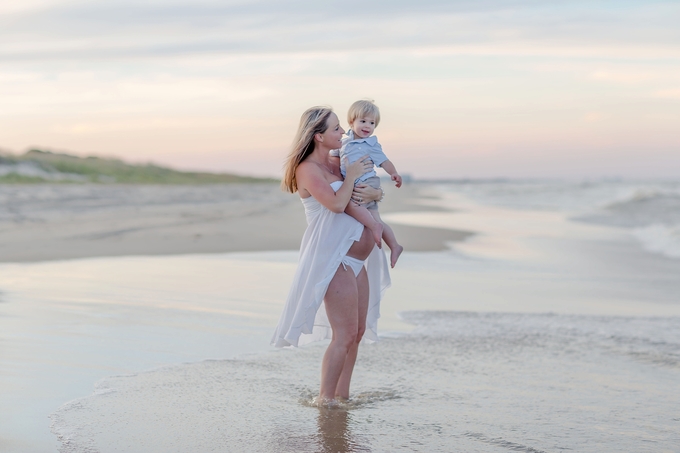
364 216
389 237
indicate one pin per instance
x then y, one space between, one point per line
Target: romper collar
372 140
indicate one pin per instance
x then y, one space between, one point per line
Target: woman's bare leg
342 389
342 308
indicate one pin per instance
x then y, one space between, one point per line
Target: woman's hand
357 168
364 193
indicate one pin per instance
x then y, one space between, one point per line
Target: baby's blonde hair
365 108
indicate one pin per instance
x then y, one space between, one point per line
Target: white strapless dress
326 241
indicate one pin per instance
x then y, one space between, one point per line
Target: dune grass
59 167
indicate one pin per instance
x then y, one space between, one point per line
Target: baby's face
363 127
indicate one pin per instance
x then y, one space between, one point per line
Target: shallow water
460 382
540 333
648 210
66 325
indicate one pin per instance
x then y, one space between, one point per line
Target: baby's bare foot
377 231
394 256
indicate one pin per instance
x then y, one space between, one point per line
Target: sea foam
648 210
460 381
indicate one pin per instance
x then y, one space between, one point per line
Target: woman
334 248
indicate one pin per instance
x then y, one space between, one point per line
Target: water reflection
335 434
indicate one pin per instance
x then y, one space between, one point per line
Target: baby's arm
389 167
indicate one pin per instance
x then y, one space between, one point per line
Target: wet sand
535 316
83 298
56 222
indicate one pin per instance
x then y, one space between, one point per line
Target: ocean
474 382
556 327
648 210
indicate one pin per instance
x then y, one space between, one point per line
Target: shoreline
65 238
57 222
69 324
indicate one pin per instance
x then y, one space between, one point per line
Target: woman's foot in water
327 403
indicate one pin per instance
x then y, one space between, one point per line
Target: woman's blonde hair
313 121
365 108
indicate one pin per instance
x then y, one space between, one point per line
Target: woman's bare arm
313 179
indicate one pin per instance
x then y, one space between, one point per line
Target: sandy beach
56 222
148 256
138 318
52 223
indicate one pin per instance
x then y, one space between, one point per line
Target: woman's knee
346 340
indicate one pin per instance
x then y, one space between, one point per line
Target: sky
467 89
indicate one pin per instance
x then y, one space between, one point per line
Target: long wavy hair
313 121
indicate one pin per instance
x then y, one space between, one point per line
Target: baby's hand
397 179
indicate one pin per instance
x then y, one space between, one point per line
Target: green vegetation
13 178
58 167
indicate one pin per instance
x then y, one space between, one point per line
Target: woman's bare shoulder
308 175
306 165
308 169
